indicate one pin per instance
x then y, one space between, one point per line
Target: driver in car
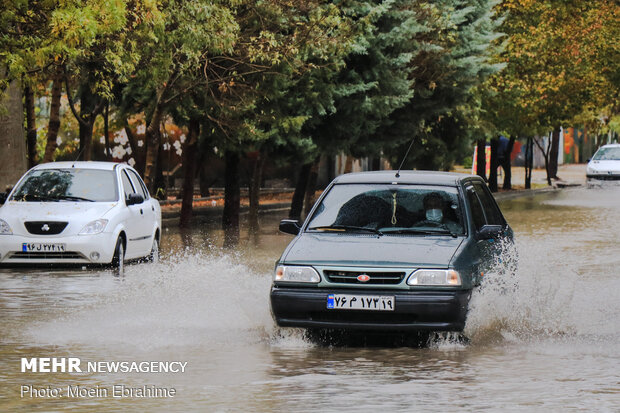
435 212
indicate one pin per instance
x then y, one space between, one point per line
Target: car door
135 222
149 216
483 255
487 213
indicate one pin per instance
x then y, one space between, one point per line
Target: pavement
568 174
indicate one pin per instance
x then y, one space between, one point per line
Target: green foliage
560 65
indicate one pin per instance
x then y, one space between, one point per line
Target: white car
79 213
604 165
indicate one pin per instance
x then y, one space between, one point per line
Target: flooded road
546 338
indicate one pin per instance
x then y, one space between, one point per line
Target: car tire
118 260
154 254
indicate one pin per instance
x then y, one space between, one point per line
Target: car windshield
85 185
607 154
385 209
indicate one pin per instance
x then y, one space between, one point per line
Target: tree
556 67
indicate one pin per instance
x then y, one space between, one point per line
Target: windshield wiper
33 198
72 198
346 228
420 231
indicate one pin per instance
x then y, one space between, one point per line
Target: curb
501 196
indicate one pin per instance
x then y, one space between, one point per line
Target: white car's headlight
94 227
297 274
434 277
5 229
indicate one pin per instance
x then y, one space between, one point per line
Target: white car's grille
66 255
45 227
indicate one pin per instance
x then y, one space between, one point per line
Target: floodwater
545 338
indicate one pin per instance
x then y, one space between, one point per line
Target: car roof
405 177
611 145
106 166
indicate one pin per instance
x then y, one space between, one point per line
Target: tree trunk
160 182
13 158
297 203
136 153
31 127
553 153
529 161
254 190
189 169
506 164
232 200
106 131
153 138
481 159
54 121
311 187
493 170
545 152
375 163
88 113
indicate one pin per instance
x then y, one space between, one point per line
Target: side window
127 186
138 184
494 217
476 208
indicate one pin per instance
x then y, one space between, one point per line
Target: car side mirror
489 232
134 199
290 226
3 196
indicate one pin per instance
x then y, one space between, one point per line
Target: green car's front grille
364 277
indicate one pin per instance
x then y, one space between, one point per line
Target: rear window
389 207
67 185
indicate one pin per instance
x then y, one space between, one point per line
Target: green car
389 251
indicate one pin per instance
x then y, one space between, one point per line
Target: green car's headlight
434 277
5 229
296 274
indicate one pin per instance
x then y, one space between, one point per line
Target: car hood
16 213
604 166
370 250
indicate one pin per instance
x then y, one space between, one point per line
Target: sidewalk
569 174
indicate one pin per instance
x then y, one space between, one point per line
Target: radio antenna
404 158
78 156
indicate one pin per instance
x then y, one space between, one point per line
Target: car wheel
118 260
154 254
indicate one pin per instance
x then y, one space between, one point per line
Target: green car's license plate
360 302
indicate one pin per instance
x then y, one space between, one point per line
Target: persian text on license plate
360 302
40 247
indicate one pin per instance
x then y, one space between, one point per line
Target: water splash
187 299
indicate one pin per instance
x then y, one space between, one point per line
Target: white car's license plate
360 302
41 247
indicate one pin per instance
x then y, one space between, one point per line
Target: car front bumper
436 310
78 249
603 177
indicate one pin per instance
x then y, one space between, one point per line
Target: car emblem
45 227
363 278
